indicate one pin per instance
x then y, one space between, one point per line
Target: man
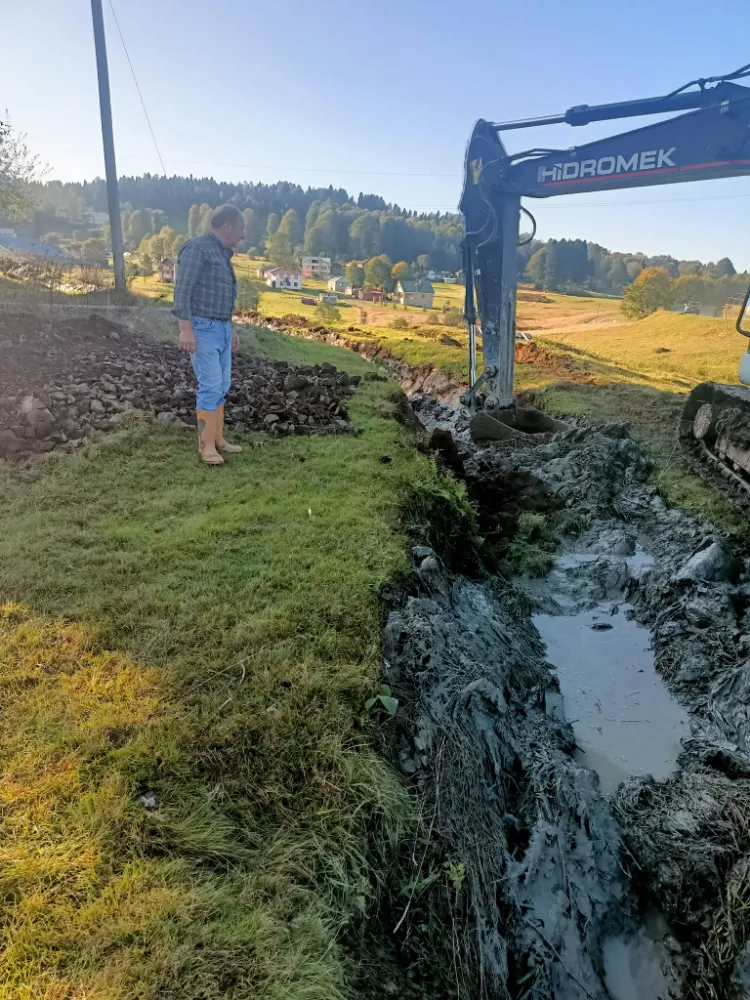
204 297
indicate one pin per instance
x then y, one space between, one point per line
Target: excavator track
714 435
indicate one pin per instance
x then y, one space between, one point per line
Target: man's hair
224 214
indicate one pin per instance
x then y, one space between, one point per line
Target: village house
283 277
339 284
367 294
167 270
316 267
415 293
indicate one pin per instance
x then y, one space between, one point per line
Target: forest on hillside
567 265
318 220
285 219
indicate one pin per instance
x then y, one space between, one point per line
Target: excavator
711 140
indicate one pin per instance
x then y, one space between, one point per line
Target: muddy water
633 968
625 721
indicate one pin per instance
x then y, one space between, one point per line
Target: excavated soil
421 380
65 381
415 380
602 809
558 366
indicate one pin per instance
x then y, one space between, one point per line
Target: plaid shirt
206 284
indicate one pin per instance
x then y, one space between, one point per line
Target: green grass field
192 805
666 349
279 303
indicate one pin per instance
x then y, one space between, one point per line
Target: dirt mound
529 352
416 380
63 382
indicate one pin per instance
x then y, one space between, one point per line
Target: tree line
283 218
656 288
574 265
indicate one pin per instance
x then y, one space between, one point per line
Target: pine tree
253 228
292 226
279 249
194 217
204 221
272 224
139 226
312 217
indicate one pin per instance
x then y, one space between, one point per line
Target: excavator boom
710 141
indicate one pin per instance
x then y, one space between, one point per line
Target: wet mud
580 741
624 719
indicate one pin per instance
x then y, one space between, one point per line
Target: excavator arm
711 140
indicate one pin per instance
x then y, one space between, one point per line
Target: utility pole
113 198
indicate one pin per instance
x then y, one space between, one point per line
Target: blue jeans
212 361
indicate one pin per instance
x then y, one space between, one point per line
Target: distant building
36 248
415 293
339 284
7 232
167 270
367 294
283 277
316 267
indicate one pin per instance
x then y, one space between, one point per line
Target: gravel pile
64 382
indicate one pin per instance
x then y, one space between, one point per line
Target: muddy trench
578 739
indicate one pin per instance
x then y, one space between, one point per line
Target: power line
137 87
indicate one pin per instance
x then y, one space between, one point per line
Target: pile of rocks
62 383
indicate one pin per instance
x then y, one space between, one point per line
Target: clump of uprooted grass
436 511
696 871
190 805
531 551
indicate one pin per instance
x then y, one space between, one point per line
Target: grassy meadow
192 803
667 350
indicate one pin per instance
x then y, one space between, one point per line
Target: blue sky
378 97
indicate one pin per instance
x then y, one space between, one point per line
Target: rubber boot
207 437
221 444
